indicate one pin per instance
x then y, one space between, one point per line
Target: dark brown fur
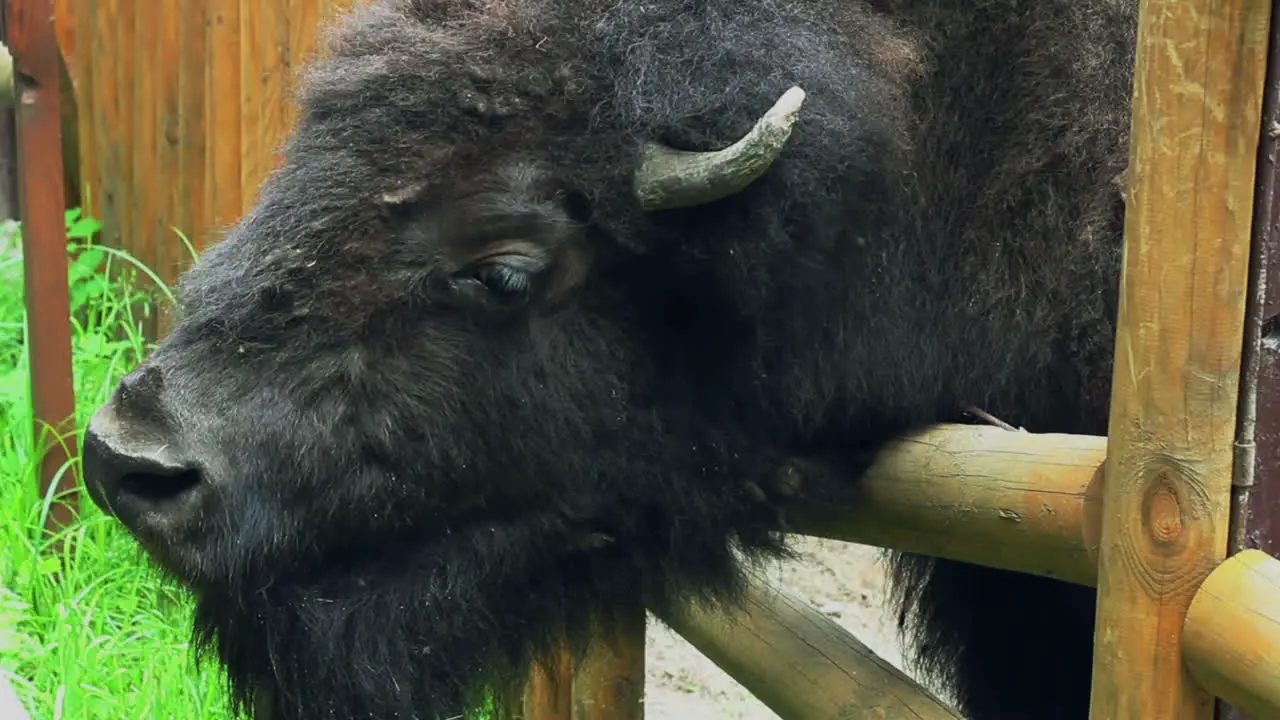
401 441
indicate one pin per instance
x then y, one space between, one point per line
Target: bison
544 292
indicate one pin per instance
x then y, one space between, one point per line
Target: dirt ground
845 581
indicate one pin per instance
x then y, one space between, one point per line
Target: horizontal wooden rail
1231 637
800 663
1012 500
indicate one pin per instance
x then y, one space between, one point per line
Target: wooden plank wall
181 108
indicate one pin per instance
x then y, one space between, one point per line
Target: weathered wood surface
1231 638
608 682
31 37
549 694
1255 498
1197 103
801 663
1028 502
183 107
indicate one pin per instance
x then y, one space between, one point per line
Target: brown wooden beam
1028 502
1197 105
800 663
1231 639
608 681
1255 492
31 39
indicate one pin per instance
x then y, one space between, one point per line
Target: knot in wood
1162 509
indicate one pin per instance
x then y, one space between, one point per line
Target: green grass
107 637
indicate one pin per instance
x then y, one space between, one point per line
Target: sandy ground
844 581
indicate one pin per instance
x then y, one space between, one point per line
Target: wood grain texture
32 39
801 663
1197 103
183 108
549 693
1231 638
1028 502
142 205
608 682
82 70
1255 502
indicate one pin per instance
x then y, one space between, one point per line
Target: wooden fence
179 107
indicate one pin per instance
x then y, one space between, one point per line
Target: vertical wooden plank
549 695
67 32
67 27
124 44
145 183
222 112
1255 501
304 26
251 97
1255 517
196 220
263 79
106 117
83 71
1196 108
70 136
608 683
170 209
277 49
31 38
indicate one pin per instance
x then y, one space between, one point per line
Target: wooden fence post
606 684
1255 492
38 73
1196 106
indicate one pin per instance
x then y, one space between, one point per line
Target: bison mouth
421 626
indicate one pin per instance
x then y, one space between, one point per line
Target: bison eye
500 281
504 281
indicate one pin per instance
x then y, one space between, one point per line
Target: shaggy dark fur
446 357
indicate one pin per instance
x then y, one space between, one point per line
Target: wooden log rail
1011 500
1142 515
801 663
1018 501
1231 638
1176 625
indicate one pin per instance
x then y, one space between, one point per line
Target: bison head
453 384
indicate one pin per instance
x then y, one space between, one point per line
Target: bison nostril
131 473
158 487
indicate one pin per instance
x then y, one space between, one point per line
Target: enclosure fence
172 114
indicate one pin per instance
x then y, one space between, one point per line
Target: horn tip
787 108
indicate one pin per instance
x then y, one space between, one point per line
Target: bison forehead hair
512 343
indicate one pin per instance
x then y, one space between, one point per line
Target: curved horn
669 178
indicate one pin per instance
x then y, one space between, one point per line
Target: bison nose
130 462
